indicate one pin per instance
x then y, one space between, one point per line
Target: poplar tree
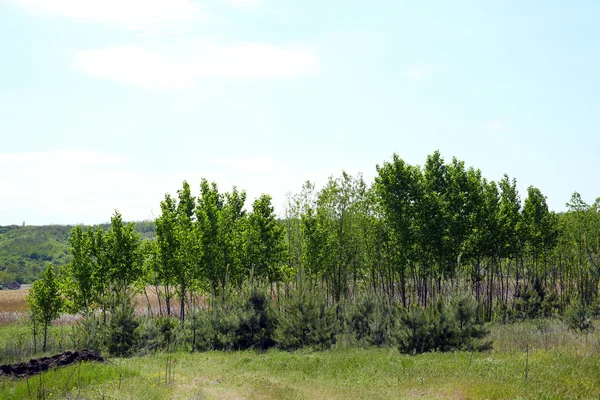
45 301
265 241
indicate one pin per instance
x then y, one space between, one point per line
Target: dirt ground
37 365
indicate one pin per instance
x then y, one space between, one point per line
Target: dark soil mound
38 365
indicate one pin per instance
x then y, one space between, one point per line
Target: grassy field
537 360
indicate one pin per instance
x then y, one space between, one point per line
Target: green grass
16 342
561 365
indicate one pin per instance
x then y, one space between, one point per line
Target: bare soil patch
37 365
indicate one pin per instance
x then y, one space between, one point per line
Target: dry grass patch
13 300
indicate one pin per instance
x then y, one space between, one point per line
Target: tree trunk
45 335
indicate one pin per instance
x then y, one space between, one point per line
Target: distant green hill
26 250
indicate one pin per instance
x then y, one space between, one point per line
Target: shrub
306 320
527 303
470 329
239 322
91 332
122 335
157 333
414 334
550 306
371 319
578 318
534 301
199 332
443 327
256 322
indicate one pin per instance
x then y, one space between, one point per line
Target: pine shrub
442 327
122 335
578 318
306 320
371 319
157 333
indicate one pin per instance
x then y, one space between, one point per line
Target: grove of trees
416 236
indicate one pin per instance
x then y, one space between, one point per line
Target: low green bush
372 319
306 320
578 317
443 327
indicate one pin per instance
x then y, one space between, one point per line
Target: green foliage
417 235
26 250
265 249
534 301
121 337
578 318
414 333
78 277
306 320
157 333
444 327
372 318
122 253
257 321
91 333
45 301
245 321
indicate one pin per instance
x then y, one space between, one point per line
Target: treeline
417 234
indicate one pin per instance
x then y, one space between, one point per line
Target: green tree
265 241
398 187
124 258
232 227
208 208
167 247
187 248
78 276
45 301
540 228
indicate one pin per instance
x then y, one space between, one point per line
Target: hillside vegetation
26 250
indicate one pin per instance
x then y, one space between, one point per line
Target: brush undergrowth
562 364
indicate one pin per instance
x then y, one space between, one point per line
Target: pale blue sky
110 104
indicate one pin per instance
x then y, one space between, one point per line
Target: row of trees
416 235
203 244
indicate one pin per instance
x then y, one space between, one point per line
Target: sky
111 104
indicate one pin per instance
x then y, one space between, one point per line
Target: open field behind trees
561 364
13 305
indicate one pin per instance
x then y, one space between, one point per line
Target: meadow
540 359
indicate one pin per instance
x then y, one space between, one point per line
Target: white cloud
416 73
137 66
133 66
175 66
134 14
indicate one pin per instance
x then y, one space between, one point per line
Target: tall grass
16 342
340 373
